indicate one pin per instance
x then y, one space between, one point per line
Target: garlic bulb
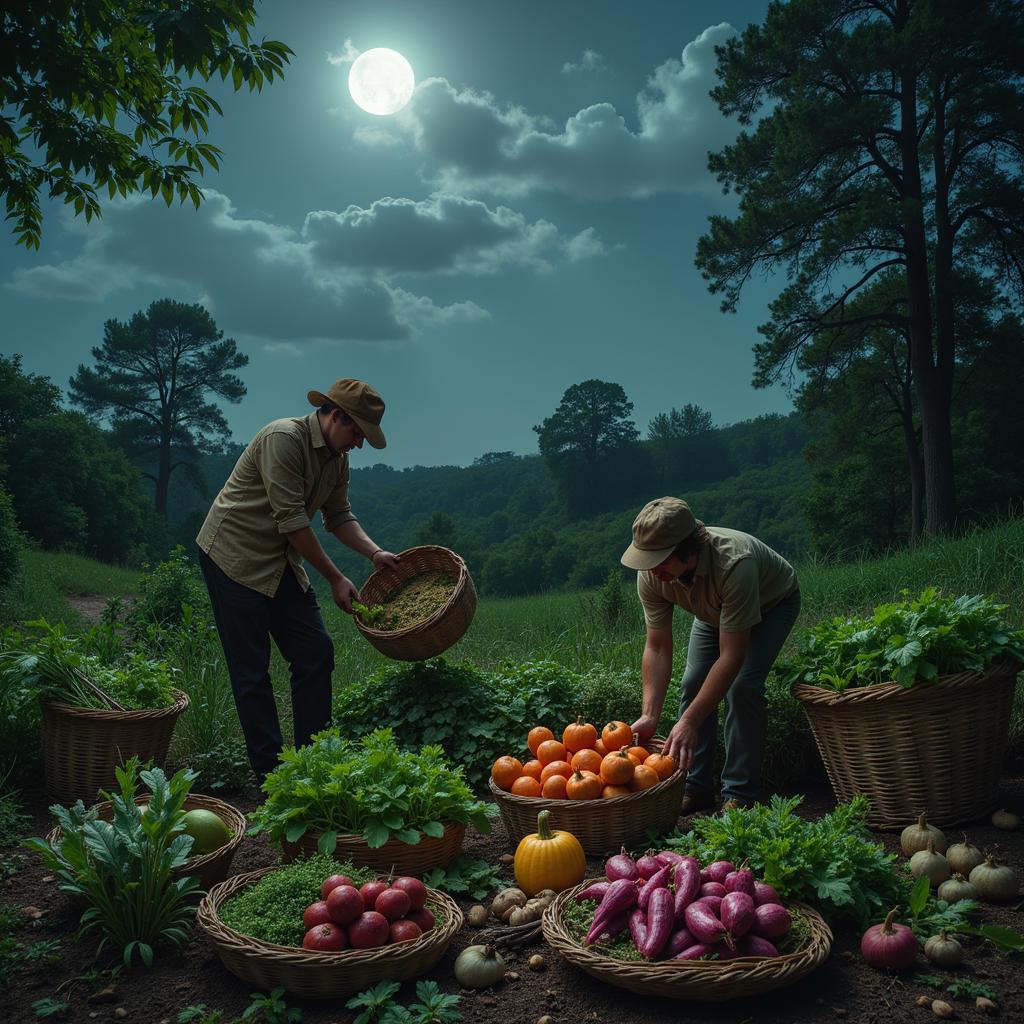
928 862
915 837
957 888
964 856
479 967
944 951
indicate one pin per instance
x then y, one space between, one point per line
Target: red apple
344 904
405 931
370 929
424 917
314 914
393 904
325 938
333 882
415 888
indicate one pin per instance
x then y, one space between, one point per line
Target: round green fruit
207 830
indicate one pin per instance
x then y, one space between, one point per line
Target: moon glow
381 81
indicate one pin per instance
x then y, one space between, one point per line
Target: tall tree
101 94
22 396
689 421
890 135
152 378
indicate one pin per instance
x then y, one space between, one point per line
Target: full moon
381 81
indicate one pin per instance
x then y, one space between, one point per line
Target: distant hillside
505 516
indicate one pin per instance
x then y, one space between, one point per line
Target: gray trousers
746 710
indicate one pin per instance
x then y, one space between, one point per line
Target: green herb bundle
909 642
123 868
367 787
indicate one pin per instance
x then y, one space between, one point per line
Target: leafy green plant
271 1009
928 914
960 988
50 1007
16 954
908 641
123 868
475 878
378 1006
373 1002
1006 940
166 588
369 614
369 788
199 1013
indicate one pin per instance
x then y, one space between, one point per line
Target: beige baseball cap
659 527
361 402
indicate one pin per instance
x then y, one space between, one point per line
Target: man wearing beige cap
744 600
251 549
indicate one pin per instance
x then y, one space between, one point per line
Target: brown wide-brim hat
659 527
361 402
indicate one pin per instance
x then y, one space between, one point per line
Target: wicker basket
210 868
602 826
937 746
438 631
312 975
83 746
713 981
394 855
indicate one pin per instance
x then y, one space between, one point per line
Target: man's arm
307 544
353 536
657 671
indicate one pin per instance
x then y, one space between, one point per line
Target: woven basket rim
462 575
355 839
660 973
235 818
181 702
209 921
808 693
542 803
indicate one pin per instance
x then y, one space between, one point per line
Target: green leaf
918 898
1006 940
434 829
327 842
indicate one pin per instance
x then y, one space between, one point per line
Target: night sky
528 221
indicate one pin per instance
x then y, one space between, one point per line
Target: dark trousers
246 620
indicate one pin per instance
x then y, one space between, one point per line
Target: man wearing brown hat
744 600
251 549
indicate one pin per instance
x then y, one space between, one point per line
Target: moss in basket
415 600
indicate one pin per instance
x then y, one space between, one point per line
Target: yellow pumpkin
548 859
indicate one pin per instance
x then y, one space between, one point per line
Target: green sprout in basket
368 613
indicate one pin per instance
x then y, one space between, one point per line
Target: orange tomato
562 768
662 764
537 735
505 771
616 734
554 787
579 735
533 769
550 750
587 759
584 786
640 753
643 778
617 769
600 748
525 786
609 791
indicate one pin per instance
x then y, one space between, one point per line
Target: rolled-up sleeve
279 460
336 509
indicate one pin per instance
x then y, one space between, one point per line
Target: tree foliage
153 376
102 95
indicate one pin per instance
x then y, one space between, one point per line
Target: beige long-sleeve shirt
286 474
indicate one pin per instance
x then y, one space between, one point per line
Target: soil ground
844 988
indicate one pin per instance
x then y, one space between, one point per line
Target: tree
682 444
22 396
152 376
438 529
890 138
101 94
690 421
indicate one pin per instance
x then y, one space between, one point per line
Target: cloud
334 279
347 55
591 62
477 146
370 135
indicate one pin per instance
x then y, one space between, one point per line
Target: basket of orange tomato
605 789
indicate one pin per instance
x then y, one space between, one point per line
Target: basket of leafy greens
911 705
369 802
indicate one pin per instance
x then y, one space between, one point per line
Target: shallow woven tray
936 746
712 981
211 868
437 632
602 826
83 746
312 975
394 855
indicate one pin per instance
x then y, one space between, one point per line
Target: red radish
333 882
369 930
713 889
740 881
404 931
723 952
703 924
679 940
648 865
414 887
669 857
424 917
325 938
765 893
314 914
737 913
393 904
660 919
344 904
714 902
686 879
719 871
620 865
592 892
754 945
620 898
638 928
614 927
371 890
889 945
657 881
695 952
772 920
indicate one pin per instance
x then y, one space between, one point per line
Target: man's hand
644 727
682 743
344 593
383 559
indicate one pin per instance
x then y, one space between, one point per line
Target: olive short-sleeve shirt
286 474
738 578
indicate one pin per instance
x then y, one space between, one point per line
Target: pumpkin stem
489 950
922 819
887 928
942 935
931 846
544 826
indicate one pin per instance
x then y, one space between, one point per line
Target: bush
10 543
167 588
